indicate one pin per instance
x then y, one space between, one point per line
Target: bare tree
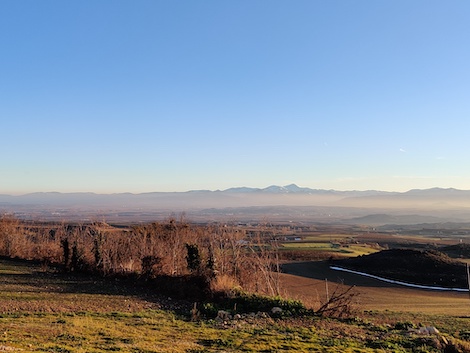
264 250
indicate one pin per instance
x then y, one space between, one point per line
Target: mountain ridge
325 205
287 189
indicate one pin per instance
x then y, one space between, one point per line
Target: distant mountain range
246 196
273 189
294 189
445 204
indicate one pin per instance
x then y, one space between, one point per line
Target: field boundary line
336 268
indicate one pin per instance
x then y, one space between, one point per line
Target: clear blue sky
139 96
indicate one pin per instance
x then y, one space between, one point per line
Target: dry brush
225 256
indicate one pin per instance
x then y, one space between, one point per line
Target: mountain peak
292 187
276 189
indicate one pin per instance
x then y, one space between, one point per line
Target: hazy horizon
113 96
431 205
222 190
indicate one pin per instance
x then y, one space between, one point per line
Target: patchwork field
305 280
348 250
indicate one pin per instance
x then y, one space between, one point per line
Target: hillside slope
425 267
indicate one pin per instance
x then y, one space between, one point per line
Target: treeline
224 256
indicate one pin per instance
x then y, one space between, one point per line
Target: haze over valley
244 204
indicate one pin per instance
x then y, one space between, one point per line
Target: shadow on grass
320 270
31 277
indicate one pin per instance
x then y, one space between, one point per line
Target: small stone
423 331
262 315
223 315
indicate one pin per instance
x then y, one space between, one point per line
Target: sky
139 96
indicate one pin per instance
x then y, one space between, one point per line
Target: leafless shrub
340 303
226 256
10 237
261 270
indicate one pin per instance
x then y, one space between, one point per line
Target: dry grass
223 284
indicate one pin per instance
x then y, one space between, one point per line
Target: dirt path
306 281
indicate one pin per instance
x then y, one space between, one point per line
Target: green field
346 250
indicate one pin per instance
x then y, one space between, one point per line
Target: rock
223 315
422 331
276 310
429 330
262 315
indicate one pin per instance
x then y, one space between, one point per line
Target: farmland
305 279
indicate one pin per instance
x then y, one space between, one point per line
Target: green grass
157 331
97 332
350 250
308 245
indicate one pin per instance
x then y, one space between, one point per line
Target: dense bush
242 303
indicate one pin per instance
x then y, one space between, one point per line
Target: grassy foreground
42 311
